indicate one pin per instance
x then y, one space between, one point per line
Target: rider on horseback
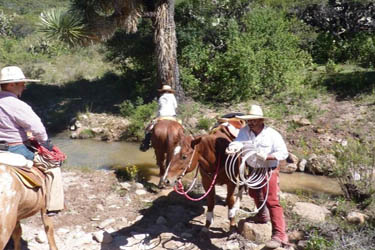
18 122
167 108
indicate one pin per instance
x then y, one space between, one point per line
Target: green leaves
257 54
63 26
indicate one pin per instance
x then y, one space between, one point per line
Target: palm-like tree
63 26
104 17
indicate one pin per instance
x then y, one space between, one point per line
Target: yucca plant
63 26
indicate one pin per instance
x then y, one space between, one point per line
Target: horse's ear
195 141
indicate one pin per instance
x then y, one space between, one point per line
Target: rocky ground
104 213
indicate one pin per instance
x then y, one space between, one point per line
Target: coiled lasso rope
259 175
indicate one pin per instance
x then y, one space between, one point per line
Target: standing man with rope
271 149
18 123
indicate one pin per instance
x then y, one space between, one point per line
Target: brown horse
18 202
166 135
208 154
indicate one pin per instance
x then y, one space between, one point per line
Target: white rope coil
255 174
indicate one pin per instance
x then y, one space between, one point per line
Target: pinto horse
18 202
207 152
166 135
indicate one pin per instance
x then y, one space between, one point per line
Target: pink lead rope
179 188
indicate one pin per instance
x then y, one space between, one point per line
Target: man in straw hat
271 149
167 108
18 121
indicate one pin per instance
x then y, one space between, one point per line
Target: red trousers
273 205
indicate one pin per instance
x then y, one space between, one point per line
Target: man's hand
234 147
261 156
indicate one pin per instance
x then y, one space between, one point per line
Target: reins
179 188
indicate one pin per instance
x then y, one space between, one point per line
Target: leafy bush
317 242
204 123
127 173
5 24
355 171
128 108
142 114
360 48
259 55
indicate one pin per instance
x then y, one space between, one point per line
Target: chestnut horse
166 135
18 202
207 152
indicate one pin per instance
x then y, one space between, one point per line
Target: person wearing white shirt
270 149
167 105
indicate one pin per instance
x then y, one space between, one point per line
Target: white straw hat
255 113
166 88
13 74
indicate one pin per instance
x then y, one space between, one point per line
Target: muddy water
98 154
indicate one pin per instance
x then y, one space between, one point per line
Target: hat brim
250 117
18 80
166 90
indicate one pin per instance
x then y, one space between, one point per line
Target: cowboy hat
13 74
166 88
255 113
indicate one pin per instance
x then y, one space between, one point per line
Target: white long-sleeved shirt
268 141
167 105
17 118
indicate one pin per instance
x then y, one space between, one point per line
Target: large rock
311 212
258 233
321 164
289 165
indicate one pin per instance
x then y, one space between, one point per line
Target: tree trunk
166 44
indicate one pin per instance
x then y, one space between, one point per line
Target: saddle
30 176
229 126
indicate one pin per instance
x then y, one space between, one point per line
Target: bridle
179 188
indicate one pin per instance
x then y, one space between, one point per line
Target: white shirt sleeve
279 149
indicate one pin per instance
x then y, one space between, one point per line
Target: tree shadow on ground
57 105
178 228
349 85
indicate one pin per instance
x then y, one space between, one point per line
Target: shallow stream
98 155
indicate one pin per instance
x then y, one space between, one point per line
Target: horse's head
184 159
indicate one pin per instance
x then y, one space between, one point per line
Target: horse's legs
210 201
16 236
48 227
160 158
233 204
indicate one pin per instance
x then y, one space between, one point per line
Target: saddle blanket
15 160
23 168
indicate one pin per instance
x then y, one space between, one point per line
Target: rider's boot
146 143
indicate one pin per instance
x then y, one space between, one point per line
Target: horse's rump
166 133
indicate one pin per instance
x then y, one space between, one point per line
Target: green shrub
204 123
360 49
261 56
127 108
355 171
318 242
141 115
127 173
5 24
